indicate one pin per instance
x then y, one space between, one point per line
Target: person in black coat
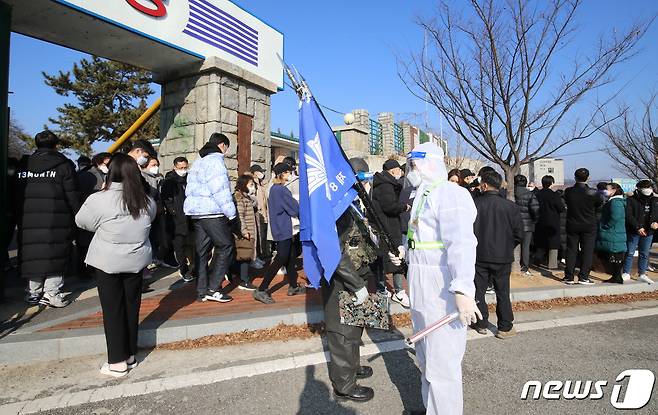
583 204
548 228
498 229
386 200
47 201
641 226
529 206
172 193
90 180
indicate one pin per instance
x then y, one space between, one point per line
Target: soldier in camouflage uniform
351 275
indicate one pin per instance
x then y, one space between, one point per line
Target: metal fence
398 139
376 138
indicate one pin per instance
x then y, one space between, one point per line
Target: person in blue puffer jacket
209 201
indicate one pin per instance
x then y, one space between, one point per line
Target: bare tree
634 141
493 76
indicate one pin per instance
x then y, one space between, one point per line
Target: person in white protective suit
440 254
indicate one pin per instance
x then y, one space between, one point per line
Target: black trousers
121 297
212 233
286 254
525 249
499 275
585 240
342 340
178 243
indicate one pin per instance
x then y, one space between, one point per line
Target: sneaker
506 334
247 286
201 298
283 271
33 299
527 273
296 290
585 281
651 269
54 301
263 297
401 298
133 364
568 281
188 277
644 278
105 370
490 289
385 293
626 277
218 297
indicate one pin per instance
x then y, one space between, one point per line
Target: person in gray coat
529 206
121 216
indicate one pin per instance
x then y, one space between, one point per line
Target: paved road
494 374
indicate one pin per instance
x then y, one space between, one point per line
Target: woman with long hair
120 216
611 239
245 240
282 207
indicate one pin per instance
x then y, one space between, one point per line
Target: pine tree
20 142
108 97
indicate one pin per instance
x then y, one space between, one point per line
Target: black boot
357 394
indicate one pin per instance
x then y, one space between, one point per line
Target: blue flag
325 191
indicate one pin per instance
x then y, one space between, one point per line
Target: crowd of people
124 218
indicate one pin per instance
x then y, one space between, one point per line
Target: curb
34 347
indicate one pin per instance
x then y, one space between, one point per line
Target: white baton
427 330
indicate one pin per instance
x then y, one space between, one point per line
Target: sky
347 52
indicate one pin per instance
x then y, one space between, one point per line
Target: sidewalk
170 313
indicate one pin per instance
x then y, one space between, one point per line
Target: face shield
425 165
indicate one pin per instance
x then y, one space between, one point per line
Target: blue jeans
643 244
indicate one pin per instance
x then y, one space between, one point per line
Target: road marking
261 368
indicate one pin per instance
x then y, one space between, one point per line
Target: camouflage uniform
352 274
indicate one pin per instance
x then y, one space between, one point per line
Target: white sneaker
401 298
644 278
218 297
282 270
55 301
105 370
626 277
651 269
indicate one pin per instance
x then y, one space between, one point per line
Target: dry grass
305 331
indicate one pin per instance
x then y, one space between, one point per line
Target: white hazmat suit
441 259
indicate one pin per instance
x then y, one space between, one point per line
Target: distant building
537 169
375 140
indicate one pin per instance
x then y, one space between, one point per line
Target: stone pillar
201 100
354 140
388 135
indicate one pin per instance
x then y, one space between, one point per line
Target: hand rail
143 119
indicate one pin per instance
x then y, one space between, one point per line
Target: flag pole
301 88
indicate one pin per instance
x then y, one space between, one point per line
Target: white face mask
142 160
252 190
647 192
414 178
181 172
259 175
153 170
103 168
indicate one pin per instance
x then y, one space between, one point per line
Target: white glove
468 309
397 260
360 296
